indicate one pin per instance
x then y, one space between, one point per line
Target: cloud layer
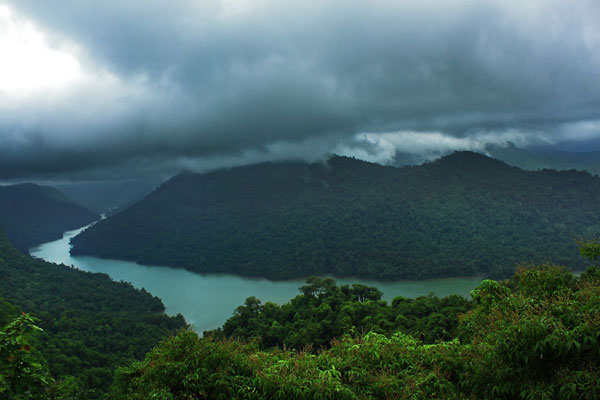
167 85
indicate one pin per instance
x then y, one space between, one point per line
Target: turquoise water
208 300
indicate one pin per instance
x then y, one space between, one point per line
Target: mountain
539 159
91 323
464 214
31 214
107 196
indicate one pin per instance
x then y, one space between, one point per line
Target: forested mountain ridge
31 214
91 323
527 159
534 160
463 214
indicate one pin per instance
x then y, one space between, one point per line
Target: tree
22 375
590 249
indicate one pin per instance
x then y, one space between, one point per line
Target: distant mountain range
463 214
552 159
107 197
531 160
31 214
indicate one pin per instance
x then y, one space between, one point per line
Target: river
208 300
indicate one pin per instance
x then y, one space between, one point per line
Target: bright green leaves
489 292
590 249
21 373
536 336
544 281
325 311
542 332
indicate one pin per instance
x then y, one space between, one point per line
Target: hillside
91 323
559 160
31 214
527 159
533 337
463 214
107 196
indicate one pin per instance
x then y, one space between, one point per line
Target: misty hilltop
463 214
152 88
31 214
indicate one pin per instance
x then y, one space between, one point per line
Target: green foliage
8 312
91 324
590 250
325 311
540 339
515 343
68 388
462 215
22 375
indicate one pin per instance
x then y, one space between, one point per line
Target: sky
146 88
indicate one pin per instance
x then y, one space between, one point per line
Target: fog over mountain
147 88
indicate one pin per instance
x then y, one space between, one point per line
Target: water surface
208 300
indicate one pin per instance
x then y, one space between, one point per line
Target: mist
156 87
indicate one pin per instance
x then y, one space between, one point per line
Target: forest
90 323
325 311
294 200
463 215
31 214
533 336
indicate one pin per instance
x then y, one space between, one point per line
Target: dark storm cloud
200 84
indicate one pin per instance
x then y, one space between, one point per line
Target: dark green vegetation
535 336
325 311
107 196
22 373
91 324
462 215
31 214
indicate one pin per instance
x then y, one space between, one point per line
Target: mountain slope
559 160
31 214
107 196
464 214
91 323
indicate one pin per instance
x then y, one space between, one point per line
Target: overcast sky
100 89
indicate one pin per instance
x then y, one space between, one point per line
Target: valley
303 200
208 300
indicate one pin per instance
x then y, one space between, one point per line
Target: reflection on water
206 301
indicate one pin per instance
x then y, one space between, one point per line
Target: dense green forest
31 214
325 311
462 215
535 336
90 323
